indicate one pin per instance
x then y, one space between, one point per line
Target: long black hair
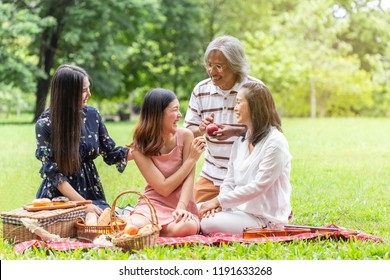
66 116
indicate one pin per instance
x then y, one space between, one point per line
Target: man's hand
205 122
227 131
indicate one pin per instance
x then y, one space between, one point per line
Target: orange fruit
131 229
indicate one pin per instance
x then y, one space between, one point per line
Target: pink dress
167 164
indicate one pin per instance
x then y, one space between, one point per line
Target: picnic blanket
211 239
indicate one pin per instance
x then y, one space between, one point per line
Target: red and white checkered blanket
207 240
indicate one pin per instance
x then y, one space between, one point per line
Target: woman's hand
198 146
211 212
130 154
182 215
94 209
209 208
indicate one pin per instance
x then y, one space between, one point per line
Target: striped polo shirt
207 98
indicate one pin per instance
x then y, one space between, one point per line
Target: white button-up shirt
259 182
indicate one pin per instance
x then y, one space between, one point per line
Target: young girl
256 190
166 156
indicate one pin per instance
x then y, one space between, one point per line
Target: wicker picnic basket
61 222
141 240
89 233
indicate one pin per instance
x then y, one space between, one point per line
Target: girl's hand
198 146
94 209
130 154
182 215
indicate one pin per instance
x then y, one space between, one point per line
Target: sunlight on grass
340 174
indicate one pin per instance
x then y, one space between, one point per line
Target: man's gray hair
233 51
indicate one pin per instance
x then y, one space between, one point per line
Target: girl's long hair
147 136
262 109
66 116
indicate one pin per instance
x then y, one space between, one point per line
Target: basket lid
39 215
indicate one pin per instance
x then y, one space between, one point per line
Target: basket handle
153 213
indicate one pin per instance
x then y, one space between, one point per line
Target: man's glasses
219 67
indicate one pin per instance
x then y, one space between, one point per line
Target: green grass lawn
340 174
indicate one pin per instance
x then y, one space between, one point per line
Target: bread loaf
105 217
39 202
91 219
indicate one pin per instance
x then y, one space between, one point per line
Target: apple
131 229
211 128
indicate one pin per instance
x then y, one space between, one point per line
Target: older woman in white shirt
256 190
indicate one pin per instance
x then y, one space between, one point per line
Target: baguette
105 217
91 219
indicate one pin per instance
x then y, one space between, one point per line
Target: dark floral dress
95 141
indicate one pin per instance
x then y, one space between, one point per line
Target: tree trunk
130 104
48 47
313 101
46 62
41 94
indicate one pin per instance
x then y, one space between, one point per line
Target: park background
326 62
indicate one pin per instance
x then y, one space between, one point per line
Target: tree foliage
318 57
18 29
